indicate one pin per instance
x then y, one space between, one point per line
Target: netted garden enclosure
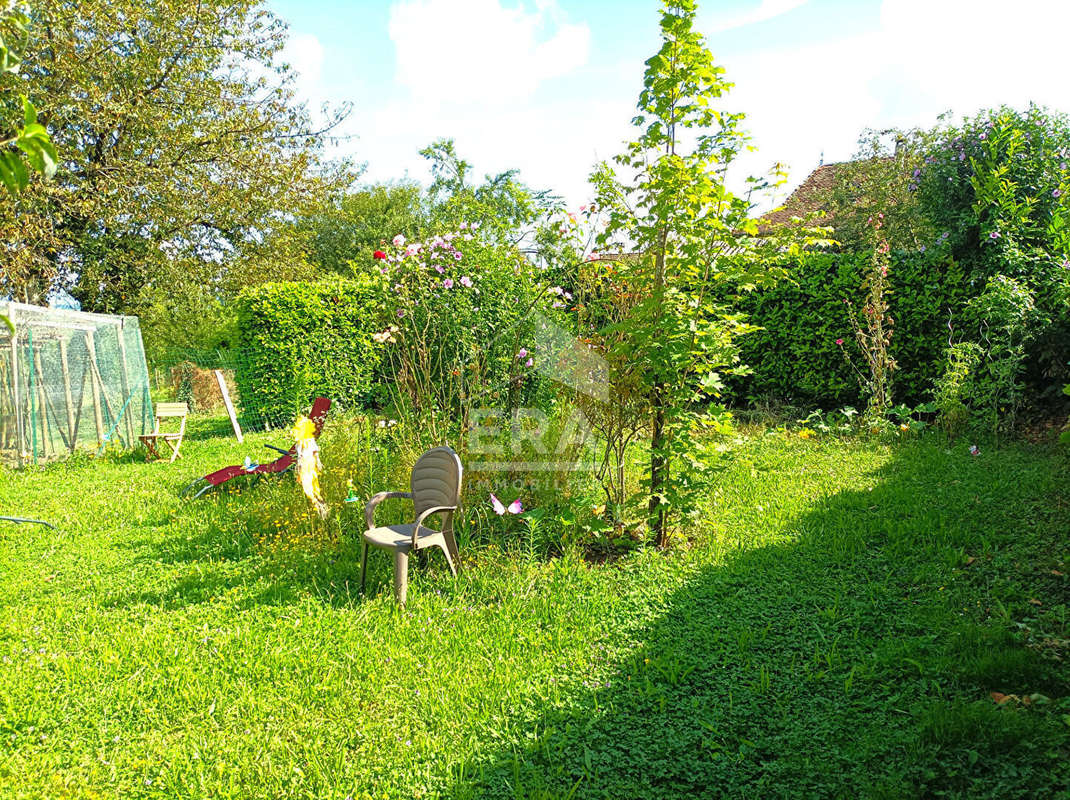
69 380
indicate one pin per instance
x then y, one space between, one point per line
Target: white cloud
928 56
766 10
513 87
477 51
304 53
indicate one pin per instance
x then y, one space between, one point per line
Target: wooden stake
79 404
42 403
94 377
72 432
125 382
20 437
48 407
230 406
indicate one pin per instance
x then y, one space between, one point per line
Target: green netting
70 380
187 375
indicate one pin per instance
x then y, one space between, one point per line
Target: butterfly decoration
249 464
515 507
974 451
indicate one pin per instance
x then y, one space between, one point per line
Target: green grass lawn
835 630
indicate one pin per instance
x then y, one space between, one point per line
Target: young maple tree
687 233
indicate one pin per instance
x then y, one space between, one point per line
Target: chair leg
363 567
449 560
454 554
401 576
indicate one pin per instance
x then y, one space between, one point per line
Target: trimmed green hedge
301 340
795 357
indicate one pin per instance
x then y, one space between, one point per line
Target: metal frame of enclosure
69 380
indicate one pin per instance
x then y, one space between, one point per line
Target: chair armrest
369 509
277 449
420 520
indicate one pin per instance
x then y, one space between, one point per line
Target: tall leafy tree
507 210
182 146
25 147
353 225
691 232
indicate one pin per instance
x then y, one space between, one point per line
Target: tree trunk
656 509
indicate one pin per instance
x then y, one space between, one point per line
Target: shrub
795 356
951 393
1002 319
306 339
998 189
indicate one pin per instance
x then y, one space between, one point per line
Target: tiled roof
806 199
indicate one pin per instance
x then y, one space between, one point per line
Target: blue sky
549 86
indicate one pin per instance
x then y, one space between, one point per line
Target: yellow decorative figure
309 465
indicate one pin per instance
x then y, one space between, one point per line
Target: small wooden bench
173 439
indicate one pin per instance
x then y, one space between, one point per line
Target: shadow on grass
854 660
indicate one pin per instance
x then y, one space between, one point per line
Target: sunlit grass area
836 627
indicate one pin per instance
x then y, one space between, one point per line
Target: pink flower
401 312
839 341
522 353
399 241
558 304
529 363
466 282
439 269
457 255
448 283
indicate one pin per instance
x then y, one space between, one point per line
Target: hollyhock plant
449 350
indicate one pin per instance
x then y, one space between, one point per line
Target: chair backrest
171 410
436 479
318 414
